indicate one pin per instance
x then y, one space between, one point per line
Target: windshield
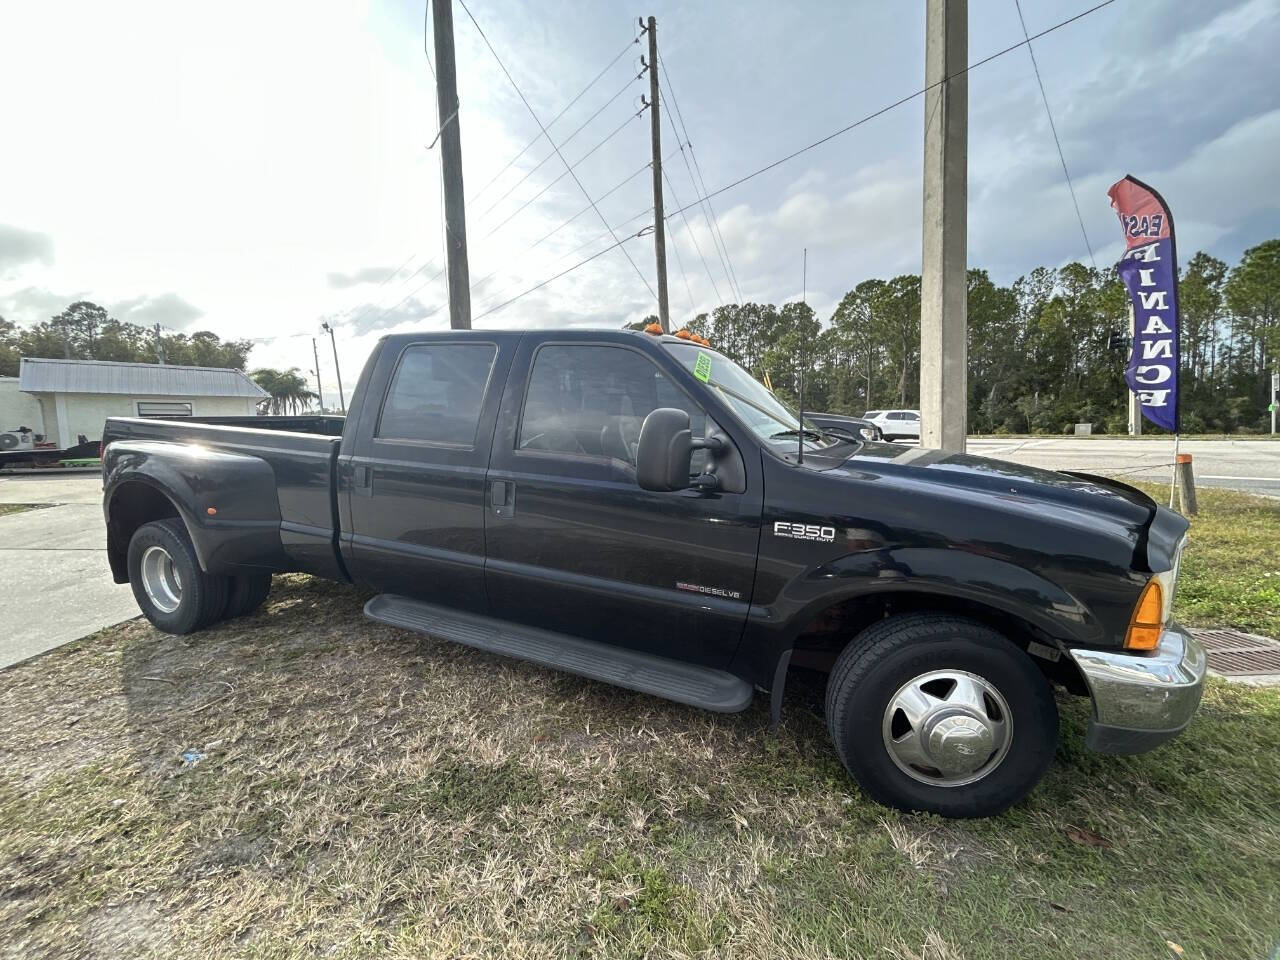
756 406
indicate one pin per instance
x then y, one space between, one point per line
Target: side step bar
682 682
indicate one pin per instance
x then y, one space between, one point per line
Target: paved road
1250 465
55 585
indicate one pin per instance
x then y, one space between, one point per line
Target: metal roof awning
37 375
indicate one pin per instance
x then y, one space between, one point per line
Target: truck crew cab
639 510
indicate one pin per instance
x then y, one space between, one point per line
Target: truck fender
917 573
227 501
976 578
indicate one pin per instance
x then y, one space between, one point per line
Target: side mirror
664 451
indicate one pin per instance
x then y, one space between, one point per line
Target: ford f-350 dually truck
637 509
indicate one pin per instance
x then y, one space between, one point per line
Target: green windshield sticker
702 367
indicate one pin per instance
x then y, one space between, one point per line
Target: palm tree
288 389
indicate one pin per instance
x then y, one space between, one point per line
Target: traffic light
1117 341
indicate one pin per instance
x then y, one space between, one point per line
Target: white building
64 399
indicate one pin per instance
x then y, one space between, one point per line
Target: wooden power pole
455 218
659 223
943 280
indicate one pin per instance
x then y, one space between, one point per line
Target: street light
342 400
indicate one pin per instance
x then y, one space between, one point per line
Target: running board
671 679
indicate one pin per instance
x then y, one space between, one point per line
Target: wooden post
1186 486
659 223
455 217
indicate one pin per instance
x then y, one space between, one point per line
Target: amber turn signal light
1147 622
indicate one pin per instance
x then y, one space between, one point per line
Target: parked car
638 510
896 424
854 428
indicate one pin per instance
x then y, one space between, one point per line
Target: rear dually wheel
171 589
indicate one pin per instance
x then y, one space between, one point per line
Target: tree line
86 331
1038 349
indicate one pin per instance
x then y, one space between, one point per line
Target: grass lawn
1231 567
357 791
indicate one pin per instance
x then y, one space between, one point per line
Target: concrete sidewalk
55 585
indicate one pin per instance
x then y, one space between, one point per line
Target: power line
569 168
713 223
564 223
374 307
525 101
802 150
675 248
567 106
538 286
568 253
689 227
564 143
1054 129
891 106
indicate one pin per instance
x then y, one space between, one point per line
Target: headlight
868 433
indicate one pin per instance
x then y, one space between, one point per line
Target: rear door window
436 393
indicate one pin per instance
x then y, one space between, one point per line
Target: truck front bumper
1142 700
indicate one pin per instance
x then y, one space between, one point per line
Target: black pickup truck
637 509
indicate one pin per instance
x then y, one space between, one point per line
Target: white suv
895 424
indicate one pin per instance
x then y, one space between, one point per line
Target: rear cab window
436 394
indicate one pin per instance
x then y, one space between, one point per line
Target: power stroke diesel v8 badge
804 531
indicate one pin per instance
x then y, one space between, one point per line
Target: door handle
364 480
502 496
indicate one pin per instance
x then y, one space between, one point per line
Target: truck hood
1011 481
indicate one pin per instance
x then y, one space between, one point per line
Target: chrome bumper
1142 700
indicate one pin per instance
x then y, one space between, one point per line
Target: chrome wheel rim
160 579
947 728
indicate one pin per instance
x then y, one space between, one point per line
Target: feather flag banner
1149 270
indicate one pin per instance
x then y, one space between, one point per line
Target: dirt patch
127 930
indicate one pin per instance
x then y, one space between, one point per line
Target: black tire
890 654
247 593
202 597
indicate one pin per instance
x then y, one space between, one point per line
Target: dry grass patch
351 790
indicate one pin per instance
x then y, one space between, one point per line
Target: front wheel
171 589
943 714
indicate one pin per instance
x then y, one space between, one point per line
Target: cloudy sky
253 168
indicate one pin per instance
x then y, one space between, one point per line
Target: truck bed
301 453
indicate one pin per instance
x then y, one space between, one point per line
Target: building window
162 410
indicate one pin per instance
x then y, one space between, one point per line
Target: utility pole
319 389
342 398
160 354
659 223
943 280
455 217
